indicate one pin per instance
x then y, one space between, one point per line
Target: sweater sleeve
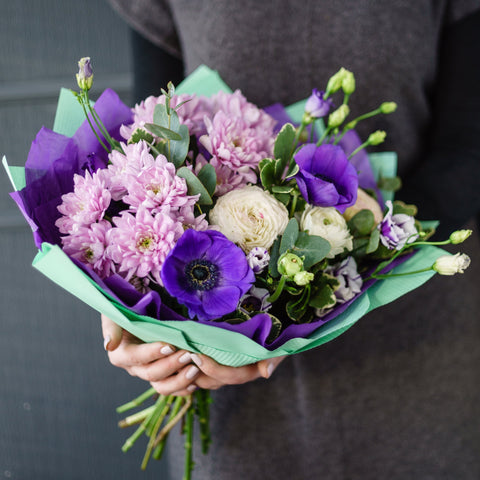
446 183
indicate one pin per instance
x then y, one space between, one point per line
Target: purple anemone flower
207 273
316 105
326 177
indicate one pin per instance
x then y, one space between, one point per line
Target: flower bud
337 117
388 107
348 83
459 236
377 137
317 106
451 264
85 74
303 278
335 82
290 264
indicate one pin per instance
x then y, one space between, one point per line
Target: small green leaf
283 197
208 177
267 174
162 132
292 170
275 330
282 189
312 247
296 309
140 134
324 297
178 150
283 149
160 117
289 236
195 186
401 207
274 256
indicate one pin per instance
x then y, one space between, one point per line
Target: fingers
112 334
180 383
215 375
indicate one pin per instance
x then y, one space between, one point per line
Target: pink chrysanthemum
237 146
138 244
86 204
190 113
88 245
158 188
127 165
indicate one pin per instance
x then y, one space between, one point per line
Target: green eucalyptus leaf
161 117
374 241
312 247
283 198
283 149
289 236
208 177
362 223
162 132
177 151
195 186
390 184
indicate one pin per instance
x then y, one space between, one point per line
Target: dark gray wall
57 390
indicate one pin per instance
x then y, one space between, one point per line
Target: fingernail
166 350
196 359
191 372
185 358
106 341
192 388
270 369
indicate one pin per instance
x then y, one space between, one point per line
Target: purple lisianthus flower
317 106
326 177
350 280
397 230
255 301
207 273
258 259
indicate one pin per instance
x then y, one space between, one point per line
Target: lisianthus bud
290 264
451 264
85 74
388 107
317 106
459 236
337 117
335 82
348 83
303 278
377 137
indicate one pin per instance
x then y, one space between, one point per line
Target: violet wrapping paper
233 345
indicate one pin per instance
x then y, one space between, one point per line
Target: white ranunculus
249 217
328 224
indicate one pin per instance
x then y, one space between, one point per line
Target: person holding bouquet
397 397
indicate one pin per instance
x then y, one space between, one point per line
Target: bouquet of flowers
199 219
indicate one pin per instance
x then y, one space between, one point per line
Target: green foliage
283 149
390 184
267 173
312 248
289 236
274 256
140 134
362 223
401 207
208 177
195 186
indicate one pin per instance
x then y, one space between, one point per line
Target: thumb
112 334
267 367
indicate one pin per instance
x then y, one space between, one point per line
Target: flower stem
136 401
136 417
389 275
171 423
82 103
187 475
279 289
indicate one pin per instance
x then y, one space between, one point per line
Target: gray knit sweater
396 397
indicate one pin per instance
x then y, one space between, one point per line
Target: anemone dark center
201 274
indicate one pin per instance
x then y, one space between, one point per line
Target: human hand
172 371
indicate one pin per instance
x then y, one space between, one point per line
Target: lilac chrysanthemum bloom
397 230
88 245
326 177
190 113
316 106
139 243
87 203
207 273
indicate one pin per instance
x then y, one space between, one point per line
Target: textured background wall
57 389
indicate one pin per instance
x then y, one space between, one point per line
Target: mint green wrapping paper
226 347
